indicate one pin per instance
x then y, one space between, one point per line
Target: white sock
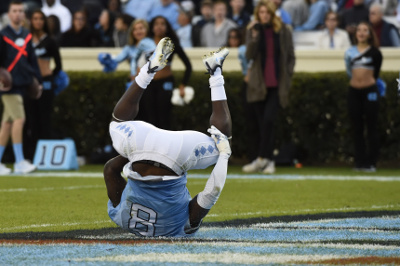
217 86
144 78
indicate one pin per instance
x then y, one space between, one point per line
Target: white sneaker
270 168
158 59
24 167
369 169
255 166
215 59
4 170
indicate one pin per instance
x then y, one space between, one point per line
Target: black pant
261 124
363 105
155 105
38 117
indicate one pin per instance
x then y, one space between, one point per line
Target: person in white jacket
54 7
332 37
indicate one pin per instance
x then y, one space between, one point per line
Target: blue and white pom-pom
106 60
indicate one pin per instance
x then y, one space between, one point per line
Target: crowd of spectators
205 23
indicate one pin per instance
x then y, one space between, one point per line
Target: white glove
221 141
177 100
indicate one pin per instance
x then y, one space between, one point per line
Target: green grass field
50 202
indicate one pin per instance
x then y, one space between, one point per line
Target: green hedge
316 120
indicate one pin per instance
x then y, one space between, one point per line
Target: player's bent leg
127 107
115 183
220 116
203 202
200 205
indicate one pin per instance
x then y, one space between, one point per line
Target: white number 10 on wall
56 155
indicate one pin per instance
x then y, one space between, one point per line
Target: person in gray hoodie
214 34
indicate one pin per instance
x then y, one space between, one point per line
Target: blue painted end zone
279 243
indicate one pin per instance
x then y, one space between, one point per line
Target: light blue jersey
153 208
158 205
133 52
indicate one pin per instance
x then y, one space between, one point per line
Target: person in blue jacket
139 44
18 57
318 10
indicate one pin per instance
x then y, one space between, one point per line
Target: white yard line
230 176
318 223
50 188
52 225
373 207
305 177
58 174
226 258
295 245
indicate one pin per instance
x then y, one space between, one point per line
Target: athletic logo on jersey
202 150
363 61
20 42
126 129
40 51
372 96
